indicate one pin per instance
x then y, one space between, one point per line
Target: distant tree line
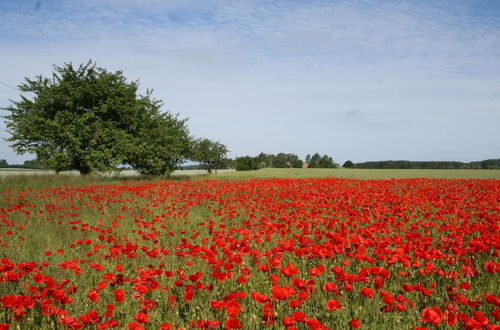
263 160
317 161
406 164
29 164
282 160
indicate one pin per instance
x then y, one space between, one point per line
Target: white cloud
261 76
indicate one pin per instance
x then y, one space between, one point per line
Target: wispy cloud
393 61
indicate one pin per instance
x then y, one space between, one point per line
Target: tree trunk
84 170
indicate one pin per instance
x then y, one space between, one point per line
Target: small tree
209 153
348 164
314 161
327 162
89 119
294 161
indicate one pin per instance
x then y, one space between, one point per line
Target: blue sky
358 80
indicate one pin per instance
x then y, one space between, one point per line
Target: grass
43 181
15 180
364 174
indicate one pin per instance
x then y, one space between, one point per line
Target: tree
89 119
33 163
294 161
327 162
245 163
209 153
314 161
161 143
348 164
3 163
262 158
317 161
280 160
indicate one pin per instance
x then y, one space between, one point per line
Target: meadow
239 252
363 174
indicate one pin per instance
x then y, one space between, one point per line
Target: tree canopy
348 164
245 163
209 153
325 161
88 119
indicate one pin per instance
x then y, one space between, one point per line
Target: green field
18 180
364 174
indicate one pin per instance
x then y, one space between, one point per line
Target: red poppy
188 292
119 295
432 315
333 304
367 293
141 317
260 298
233 323
93 295
282 293
354 323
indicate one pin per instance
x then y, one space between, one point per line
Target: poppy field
321 253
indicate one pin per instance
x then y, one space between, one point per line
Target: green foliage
161 144
294 161
89 119
317 161
245 163
28 164
348 164
210 154
281 160
314 161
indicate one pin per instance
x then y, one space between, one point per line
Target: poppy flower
233 323
367 293
93 295
260 298
432 315
354 323
282 293
119 295
333 304
141 317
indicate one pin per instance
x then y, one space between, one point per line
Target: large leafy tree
88 119
209 153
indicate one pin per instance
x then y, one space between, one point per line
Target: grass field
364 174
33 179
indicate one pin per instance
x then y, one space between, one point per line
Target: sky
360 80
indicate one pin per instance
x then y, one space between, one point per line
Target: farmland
296 253
364 174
